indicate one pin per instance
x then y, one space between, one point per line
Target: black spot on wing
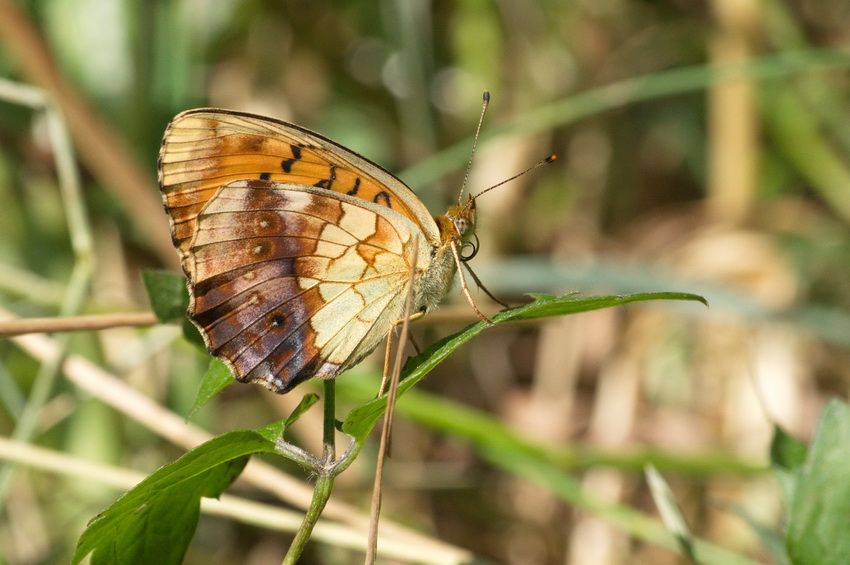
382 198
329 182
286 164
277 320
355 188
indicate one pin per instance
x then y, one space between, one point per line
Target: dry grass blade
372 547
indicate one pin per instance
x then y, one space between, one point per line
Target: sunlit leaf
360 421
217 377
155 520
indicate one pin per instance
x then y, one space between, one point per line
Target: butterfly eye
473 249
460 225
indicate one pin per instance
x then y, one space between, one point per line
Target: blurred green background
702 147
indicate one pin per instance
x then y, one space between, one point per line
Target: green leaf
787 455
273 431
670 512
819 514
167 294
309 400
216 378
219 376
547 305
362 419
170 299
192 335
786 451
155 520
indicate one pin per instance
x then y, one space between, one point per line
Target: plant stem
321 494
329 422
326 472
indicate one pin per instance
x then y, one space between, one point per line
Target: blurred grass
619 91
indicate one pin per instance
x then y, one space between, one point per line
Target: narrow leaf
191 334
786 451
362 419
670 512
309 400
216 378
787 456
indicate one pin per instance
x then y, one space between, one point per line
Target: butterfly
297 251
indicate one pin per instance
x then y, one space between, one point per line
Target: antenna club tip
550 158
486 96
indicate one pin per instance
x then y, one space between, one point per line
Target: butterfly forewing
205 149
293 282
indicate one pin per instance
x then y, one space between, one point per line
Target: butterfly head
458 223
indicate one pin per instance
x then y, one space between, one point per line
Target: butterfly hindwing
291 282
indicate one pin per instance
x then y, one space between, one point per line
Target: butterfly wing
205 149
291 282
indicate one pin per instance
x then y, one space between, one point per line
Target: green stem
298 455
329 422
348 457
325 474
321 494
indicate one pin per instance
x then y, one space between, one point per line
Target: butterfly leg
390 336
484 288
464 287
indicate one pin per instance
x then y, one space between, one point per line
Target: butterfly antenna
484 104
545 161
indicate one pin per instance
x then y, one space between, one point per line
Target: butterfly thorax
456 227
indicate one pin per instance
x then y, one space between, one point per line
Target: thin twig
21 326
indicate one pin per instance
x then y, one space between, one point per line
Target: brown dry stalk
20 326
